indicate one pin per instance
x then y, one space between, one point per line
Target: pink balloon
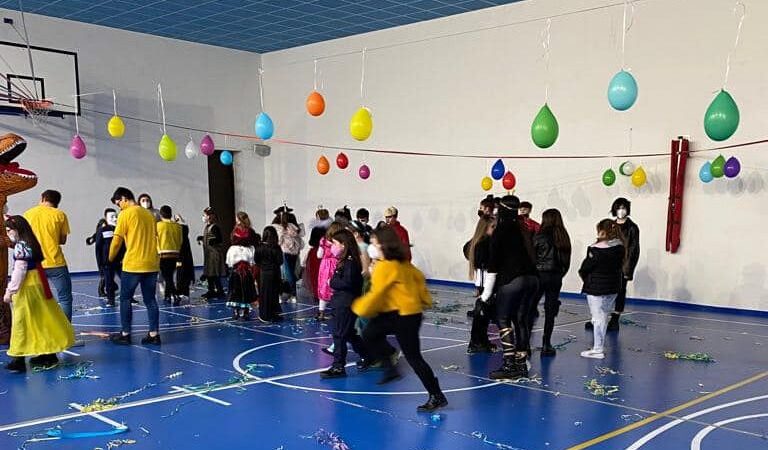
364 172
77 147
206 145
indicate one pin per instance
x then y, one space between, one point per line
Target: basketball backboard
55 78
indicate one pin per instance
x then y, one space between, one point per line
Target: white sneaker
292 299
594 354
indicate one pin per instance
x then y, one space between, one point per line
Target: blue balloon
705 173
226 158
498 170
264 127
622 91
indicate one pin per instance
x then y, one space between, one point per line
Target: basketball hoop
37 110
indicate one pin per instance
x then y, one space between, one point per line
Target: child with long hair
247 236
395 303
242 279
290 239
39 324
269 257
602 273
479 255
327 268
347 284
553 259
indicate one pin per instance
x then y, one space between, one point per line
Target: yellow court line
667 413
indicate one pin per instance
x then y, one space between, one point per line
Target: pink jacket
327 267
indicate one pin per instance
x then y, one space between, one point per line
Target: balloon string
362 77
736 43
77 126
625 28
545 42
261 88
162 104
315 88
114 101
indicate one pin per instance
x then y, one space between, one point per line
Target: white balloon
627 168
191 150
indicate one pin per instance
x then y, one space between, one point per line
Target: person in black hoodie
479 256
512 277
269 257
108 270
90 240
347 285
185 269
602 273
553 259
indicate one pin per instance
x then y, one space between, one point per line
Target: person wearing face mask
39 324
525 216
214 263
327 268
109 269
90 240
145 201
185 271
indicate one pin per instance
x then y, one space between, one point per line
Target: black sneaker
16 365
111 303
120 339
508 371
548 350
48 360
588 325
333 372
435 401
481 348
362 365
149 339
613 324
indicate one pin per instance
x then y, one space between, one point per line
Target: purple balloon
732 167
77 147
364 172
206 145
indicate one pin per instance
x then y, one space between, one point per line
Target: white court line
98 416
696 441
71 353
201 395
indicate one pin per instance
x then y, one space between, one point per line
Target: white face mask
205 219
146 204
374 252
111 218
13 235
621 213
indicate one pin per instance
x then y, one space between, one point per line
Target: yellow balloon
486 183
167 148
116 127
638 177
361 125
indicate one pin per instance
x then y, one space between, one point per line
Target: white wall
478 92
203 86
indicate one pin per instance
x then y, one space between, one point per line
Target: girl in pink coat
327 268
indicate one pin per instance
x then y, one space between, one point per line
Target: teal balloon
264 126
609 177
226 158
705 173
722 117
544 129
718 167
498 170
622 91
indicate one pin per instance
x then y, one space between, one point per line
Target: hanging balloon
315 104
722 117
364 172
206 145
191 150
627 168
508 181
342 161
486 183
498 169
705 173
361 124
323 166
639 177
544 129
732 167
167 148
77 147
116 127
264 126
609 177
718 167
226 158
622 91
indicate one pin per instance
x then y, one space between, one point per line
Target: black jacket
483 253
602 268
347 283
103 240
631 234
511 252
269 258
548 257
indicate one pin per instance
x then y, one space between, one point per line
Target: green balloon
718 167
609 177
544 129
722 117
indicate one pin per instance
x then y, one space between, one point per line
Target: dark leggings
621 298
406 330
344 331
513 303
214 285
289 261
550 284
167 268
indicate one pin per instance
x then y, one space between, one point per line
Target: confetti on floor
625 321
563 345
600 390
701 357
328 439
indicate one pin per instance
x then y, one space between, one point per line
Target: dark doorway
221 193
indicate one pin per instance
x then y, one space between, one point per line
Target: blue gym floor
202 400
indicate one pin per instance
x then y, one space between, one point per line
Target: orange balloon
315 104
323 166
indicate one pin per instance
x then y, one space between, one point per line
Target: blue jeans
60 281
128 283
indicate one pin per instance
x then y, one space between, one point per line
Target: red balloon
508 181
342 161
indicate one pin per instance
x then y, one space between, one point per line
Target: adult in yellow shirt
169 247
136 227
51 228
